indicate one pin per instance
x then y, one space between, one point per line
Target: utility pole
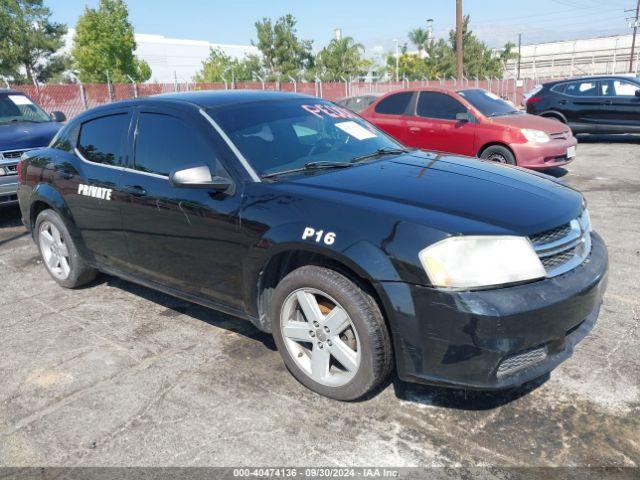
633 41
459 64
519 51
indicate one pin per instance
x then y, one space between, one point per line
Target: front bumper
8 190
540 156
493 339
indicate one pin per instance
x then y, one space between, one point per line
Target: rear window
101 139
394 104
582 89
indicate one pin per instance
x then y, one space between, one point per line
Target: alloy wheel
320 337
55 252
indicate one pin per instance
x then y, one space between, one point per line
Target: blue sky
374 23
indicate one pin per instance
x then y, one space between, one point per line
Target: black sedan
357 254
592 104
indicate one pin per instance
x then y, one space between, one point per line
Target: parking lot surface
117 374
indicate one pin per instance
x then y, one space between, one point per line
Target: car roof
593 77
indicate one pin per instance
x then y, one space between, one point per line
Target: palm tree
419 38
508 53
342 57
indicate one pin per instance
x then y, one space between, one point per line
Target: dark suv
591 105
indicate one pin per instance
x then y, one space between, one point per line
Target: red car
472 122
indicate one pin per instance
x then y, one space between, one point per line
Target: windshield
18 108
488 103
286 135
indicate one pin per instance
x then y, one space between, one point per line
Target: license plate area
571 152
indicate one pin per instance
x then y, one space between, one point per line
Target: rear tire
330 333
59 253
498 154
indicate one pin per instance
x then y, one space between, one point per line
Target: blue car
23 126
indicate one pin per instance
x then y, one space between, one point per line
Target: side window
394 104
618 88
66 138
582 89
100 139
164 143
438 105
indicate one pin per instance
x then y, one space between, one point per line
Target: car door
434 125
389 115
621 105
581 104
94 199
183 238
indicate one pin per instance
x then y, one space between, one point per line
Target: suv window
394 104
618 88
582 89
164 143
101 139
438 105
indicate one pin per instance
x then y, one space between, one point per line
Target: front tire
330 333
499 154
59 253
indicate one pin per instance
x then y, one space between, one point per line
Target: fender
361 257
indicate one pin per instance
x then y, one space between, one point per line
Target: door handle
607 102
562 102
135 190
415 129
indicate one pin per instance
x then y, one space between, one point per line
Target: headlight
537 136
481 261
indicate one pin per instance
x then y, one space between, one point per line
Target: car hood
514 200
534 122
23 135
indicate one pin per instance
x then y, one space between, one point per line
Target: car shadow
10 217
175 307
602 138
463 399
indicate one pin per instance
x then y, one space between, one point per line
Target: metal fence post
346 86
295 83
83 97
135 86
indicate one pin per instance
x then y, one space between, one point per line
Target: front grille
563 248
522 360
560 135
550 235
13 155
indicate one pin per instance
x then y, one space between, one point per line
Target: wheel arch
497 144
554 114
45 197
287 258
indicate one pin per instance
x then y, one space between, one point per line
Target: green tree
341 58
508 53
29 41
104 42
219 66
419 37
283 53
478 59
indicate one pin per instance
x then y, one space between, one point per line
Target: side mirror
464 117
198 177
638 92
58 116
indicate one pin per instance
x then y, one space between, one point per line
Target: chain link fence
73 99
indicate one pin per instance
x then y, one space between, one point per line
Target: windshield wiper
310 166
380 152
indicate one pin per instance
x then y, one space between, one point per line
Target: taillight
533 100
19 171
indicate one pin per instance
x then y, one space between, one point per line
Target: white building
590 56
176 58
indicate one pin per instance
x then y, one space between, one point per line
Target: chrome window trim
241 158
82 157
